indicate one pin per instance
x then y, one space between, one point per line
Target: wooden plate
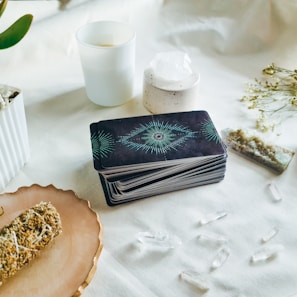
66 267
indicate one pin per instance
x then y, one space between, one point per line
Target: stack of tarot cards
144 156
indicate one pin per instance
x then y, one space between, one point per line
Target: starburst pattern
209 131
102 144
157 137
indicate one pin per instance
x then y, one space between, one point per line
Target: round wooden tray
67 266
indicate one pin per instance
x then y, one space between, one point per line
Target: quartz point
158 239
211 217
275 192
267 253
272 233
196 279
212 238
172 65
220 258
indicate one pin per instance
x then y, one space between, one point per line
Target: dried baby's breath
274 96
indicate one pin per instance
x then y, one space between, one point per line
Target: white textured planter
14 144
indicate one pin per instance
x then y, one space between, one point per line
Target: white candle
107 52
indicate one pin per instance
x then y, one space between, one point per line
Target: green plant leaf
3 6
15 32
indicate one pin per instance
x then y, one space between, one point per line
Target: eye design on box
157 137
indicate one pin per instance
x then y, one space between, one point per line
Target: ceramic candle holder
159 97
170 84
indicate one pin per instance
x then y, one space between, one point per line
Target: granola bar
272 156
23 239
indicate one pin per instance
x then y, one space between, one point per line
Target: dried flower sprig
274 96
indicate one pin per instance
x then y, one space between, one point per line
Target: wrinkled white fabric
229 43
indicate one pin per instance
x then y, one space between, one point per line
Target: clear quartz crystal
160 239
272 233
212 238
275 192
200 281
267 253
211 217
220 258
172 65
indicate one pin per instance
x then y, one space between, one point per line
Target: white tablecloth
229 42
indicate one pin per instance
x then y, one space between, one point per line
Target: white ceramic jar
14 144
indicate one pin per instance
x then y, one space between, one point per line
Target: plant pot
14 144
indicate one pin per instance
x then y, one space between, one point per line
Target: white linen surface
229 42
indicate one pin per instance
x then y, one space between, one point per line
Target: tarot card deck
144 156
